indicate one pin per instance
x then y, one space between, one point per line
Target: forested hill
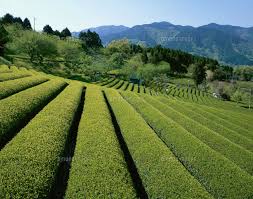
228 44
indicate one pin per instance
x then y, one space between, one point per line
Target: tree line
63 34
9 19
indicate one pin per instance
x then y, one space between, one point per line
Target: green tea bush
163 176
30 161
24 105
206 121
13 86
243 158
220 176
113 83
98 168
124 86
4 69
11 76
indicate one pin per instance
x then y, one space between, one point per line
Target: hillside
115 139
103 31
226 43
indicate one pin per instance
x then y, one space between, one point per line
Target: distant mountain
103 30
226 43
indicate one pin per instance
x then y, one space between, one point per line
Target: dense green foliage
90 40
63 34
3 39
27 24
244 73
48 29
36 151
9 19
198 74
228 44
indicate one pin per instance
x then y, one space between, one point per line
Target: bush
4 61
237 96
36 46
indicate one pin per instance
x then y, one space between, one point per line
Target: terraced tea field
67 139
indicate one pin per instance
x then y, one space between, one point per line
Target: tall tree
90 39
199 73
47 29
7 19
144 57
57 33
18 20
3 39
65 33
27 24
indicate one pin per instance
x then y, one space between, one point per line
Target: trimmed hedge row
204 120
107 82
25 70
30 161
136 88
242 120
11 76
113 83
221 177
34 72
100 81
142 89
188 94
4 69
119 84
163 176
205 111
148 91
98 168
13 86
14 69
24 105
130 87
124 86
245 116
243 158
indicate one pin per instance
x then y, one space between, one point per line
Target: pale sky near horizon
81 14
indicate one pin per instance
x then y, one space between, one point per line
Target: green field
62 138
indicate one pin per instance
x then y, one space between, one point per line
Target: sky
80 14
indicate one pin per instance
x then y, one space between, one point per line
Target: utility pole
250 98
34 19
